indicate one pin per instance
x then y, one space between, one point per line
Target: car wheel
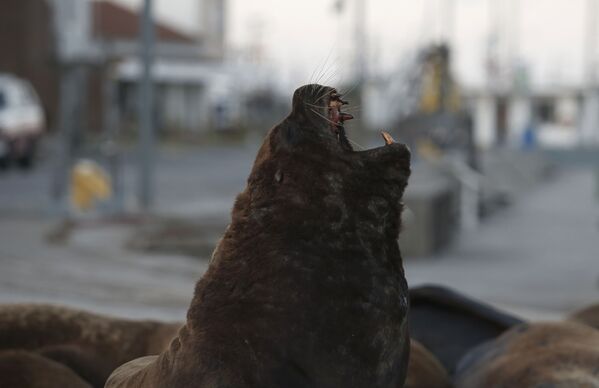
26 160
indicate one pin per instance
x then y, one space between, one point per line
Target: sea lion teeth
335 97
387 137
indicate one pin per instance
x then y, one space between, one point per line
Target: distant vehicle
21 122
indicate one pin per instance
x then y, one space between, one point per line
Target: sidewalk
93 271
541 253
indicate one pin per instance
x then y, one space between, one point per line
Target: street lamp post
146 101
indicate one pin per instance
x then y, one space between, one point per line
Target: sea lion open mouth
335 114
316 107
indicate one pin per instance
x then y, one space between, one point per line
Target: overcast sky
299 35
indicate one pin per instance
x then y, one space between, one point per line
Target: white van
21 121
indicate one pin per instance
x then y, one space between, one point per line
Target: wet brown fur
551 355
306 288
91 345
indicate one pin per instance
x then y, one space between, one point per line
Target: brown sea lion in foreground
306 288
90 345
424 370
557 355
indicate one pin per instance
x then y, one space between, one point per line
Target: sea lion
449 324
559 354
91 345
306 288
19 369
588 315
424 370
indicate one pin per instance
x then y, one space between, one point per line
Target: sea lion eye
278 176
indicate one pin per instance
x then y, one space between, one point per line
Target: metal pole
590 43
146 101
67 126
361 46
111 130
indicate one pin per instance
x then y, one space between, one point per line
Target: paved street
539 257
540 253
205 179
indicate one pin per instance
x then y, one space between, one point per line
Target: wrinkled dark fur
306 288
90 345
449 324
557 355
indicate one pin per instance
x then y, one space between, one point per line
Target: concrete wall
27 47
485 112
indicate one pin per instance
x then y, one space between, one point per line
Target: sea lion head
308 159
318 110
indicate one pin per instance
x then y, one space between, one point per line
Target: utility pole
145 113
449 15
588 129
590 47
361 47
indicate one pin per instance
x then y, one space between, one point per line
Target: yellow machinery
90 184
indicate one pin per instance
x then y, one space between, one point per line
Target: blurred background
127 127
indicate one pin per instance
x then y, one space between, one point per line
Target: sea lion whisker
330 77
356 107
324 95
324 68
313 105
352 88
317 70
321 96
360 147
320 68
324 117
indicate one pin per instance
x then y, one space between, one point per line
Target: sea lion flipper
132 374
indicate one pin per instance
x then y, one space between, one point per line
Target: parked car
22 122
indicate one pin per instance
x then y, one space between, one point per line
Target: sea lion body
89 344
306 288
559 355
